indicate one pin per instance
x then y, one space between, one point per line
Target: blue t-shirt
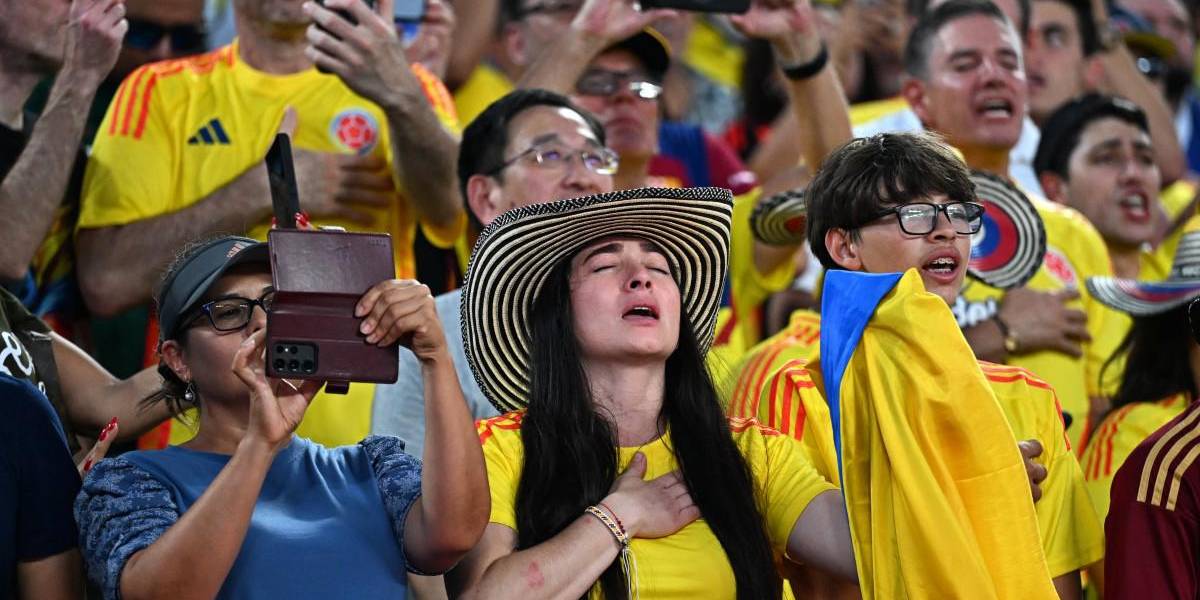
329 522
38 481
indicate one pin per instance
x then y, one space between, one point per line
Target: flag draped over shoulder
935 488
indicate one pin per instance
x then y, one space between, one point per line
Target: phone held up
319 276
406 16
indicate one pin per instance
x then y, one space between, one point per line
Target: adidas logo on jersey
212 133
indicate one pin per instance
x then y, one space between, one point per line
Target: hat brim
516 253
1142 298
650 47
1009 248
781 219
254 253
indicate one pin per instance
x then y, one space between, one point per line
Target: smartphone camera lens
293 365
308 366
280 350
279 363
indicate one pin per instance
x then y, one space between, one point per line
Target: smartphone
410 11
710 6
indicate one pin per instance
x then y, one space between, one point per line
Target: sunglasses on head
185 38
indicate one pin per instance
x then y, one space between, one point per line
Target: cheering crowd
822 299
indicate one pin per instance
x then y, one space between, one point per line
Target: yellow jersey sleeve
785 479
1072 536
1116 437
485 86
799 340
504 456
132 169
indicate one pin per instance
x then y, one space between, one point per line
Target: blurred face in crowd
1170 20
974 91
549 150
160 30
1054 61
616 88
1113 181
883 246
34 31
539 23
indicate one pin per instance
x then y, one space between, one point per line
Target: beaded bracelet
611 523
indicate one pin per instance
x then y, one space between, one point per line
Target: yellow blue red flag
936 490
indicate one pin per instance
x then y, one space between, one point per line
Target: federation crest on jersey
355 130
1061 268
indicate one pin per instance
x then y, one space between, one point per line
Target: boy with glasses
893 203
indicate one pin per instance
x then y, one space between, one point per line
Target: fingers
1030 448
248 357
1067 295
399 309
100 449
290 121
328 44
636 468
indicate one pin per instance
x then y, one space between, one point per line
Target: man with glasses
892 203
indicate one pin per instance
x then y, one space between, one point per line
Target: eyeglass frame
938 210
537 147
637 84
205 309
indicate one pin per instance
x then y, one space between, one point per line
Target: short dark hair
916 8
1061 132
485 138
929 23
866 175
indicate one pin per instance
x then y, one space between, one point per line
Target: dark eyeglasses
920 218
607 83
601 161
145 35
566 8
231 314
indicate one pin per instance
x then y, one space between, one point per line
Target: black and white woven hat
516 253
1143 298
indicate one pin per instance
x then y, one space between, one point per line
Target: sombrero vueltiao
1142 298
1005 253
516 253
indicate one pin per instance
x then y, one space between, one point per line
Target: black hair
1085 23
1062 130
1157 359
860 179
929 23
486 137
571 455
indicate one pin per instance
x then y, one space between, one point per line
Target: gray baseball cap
202 267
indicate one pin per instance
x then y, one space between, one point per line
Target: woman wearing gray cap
247 509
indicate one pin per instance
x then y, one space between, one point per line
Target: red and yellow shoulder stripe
131 104
505 422
1009 374
435 91
1169 460
742 424
804 330
1099 463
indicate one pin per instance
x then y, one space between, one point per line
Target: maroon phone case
319 277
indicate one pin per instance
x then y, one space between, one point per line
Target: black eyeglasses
232 314
185 38
599 160
920 218
607 83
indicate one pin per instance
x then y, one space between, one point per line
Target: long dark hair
571 454
1157 364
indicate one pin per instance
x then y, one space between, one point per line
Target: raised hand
402 310
651 509
95 29
276 405
614 20
367 56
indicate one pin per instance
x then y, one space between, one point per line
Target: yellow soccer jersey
1120 432
485 86
178 130
1072 536
689 563
865 112
1074 252
739 322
